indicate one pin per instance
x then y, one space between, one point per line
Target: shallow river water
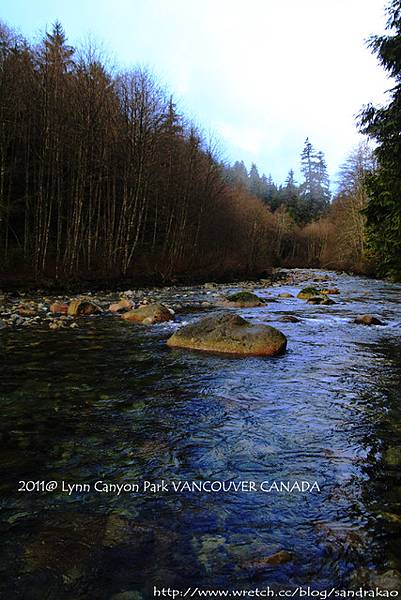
110 402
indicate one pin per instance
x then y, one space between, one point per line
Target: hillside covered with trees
102 178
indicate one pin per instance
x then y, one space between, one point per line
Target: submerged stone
320 300
231 334
289 319
389 580
367 320
278 558
134 595
392 456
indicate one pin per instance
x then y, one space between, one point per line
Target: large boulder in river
367 320
231 334
81 307
149 314
243 300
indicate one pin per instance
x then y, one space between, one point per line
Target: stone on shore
367 320
230 334
25 311
60 308
149 314
80 307
122 305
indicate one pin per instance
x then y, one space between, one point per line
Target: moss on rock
244 300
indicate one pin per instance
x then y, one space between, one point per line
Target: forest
103 178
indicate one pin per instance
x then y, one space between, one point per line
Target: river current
110 403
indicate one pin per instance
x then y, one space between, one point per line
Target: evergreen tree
238 174
384 125
270 192
314 192
289 197
255 186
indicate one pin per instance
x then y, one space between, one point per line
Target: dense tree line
338 239
383 124
305 202
101 176
309 229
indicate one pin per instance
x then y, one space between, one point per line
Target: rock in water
149 314
320 300
80 307
60 308
289 319
243 300
123 304
229 333
367 320
278 558
308 292
285 295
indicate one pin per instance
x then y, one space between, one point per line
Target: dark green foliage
305 203
314 191
384 125
310 290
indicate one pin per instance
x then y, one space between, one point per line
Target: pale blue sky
259 75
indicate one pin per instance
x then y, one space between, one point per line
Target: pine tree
289 197
254 181
314 191
384 125
238 174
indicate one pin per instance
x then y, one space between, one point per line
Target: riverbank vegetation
102 178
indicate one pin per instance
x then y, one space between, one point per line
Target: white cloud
244 138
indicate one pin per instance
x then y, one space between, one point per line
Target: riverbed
109 402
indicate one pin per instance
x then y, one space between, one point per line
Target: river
109 402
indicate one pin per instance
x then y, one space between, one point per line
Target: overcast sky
260 75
